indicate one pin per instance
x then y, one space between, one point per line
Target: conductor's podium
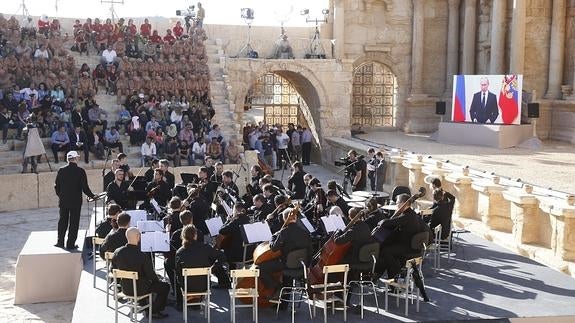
45 273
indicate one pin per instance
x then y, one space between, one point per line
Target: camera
344 161
189 12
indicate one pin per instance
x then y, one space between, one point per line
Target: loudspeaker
440 107
533 110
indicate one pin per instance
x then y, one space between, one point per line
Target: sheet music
333 223
214 225
257 232
155 241
155 205
137 215
150 226
307 225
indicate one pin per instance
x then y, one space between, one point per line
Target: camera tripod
284 166
247 50
316 49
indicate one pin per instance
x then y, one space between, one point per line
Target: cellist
291 237
234 250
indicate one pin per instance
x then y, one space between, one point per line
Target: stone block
524 213
46 194
20 193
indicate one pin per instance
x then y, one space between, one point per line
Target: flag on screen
509 99
459 101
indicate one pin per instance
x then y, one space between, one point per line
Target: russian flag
509 99
459 99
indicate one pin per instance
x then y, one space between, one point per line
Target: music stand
100 196
188 178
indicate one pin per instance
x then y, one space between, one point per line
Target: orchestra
214 194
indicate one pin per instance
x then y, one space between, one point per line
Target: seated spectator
42 53
99 74
58 96
136 131
214 150
184 152
187 133
171 151
95 117
152 125
198 150
156 38
178 30
148 151
4 122
60 142
112 139
146 29
123 119
233 152
111 80
96 143
108 55
44 25
169 38
79 141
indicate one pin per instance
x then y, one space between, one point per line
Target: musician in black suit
158 189
358 235
217 173
111 221
270 193
111 175
404 226
334 199
195 254
291 237
131 258
442 209
261 208
168 177
296 182
228 184
149 174
172 220
309 192
79 141
358 171
71 181
116 239
316 207
233 229
484 104
200 209
117 191
256 174
275 220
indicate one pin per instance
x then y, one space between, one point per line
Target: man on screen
484 104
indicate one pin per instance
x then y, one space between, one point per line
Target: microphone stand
108 153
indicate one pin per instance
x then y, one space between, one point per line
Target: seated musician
275 219
275 182
229 185
196 254
131 258
404 227
219 170
270 193
116 239
376 214
168 177
117 191
435 183
172 220
209 164
256 173
291 237
208 187
441 214
232 229
149 174
333 185
334 199
158 189
309 193
316 207
296 181
200 209
111 221
111 175
261 208
123 164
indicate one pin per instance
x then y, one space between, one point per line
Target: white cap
72 154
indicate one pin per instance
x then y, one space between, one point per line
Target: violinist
117 191
172 221
228 184
275 182
209 164
296 182
158 189
254 188
274 219
260 209
270 192
149 175
404 226
335 200
208 187
111 175
117 238
291 237
168 177
233 229
317 206
309 193
110 223
375 215
200 209
217 174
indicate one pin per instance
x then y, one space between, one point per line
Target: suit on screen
480 114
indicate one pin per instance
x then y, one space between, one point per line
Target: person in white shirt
148 151
108 55
42 52
198 150
282 140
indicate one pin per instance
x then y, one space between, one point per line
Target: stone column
491 206
524 213
465 197
556 48
414 167
452 57
517 54
417 48
396 173
497 58
469 31
339 28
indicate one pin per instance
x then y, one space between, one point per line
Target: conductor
71 181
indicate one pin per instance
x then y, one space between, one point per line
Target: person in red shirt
88 26
43 25
132 29
146 29
97 26
178 30
169 38
108 27
55 27
77 27
155 38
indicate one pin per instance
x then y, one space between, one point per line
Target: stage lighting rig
316 49
247 14
112 10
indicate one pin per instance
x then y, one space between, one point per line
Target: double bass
264 253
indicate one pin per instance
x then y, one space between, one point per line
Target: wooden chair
189 272
109 277
132 301
96 241
244 292
328 290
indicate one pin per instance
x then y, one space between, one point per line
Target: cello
264 253
332 253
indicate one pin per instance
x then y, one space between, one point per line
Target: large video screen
487 99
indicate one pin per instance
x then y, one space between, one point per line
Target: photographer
358 171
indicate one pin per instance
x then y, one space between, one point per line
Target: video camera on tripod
189 15
348 164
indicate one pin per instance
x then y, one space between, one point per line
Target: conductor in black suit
484 104
71 181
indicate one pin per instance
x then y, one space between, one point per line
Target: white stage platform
45 273
491 135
